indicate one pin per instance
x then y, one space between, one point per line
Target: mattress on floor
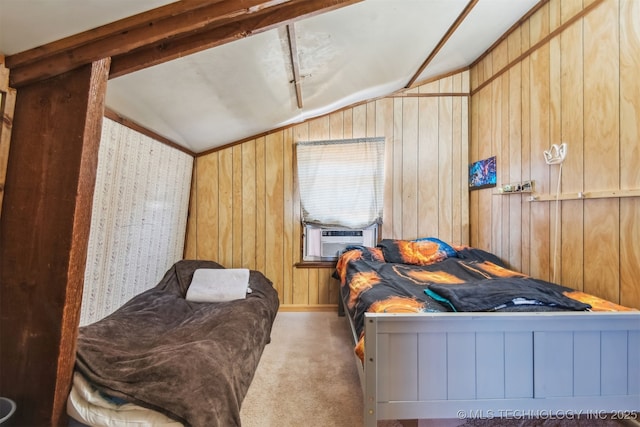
88 406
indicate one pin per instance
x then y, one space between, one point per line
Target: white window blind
341 181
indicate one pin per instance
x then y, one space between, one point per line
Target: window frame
377 192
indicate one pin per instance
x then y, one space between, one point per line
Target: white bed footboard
490 365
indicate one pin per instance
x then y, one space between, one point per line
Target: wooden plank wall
7 102
569 73
244 204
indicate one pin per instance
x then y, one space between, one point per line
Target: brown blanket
192 361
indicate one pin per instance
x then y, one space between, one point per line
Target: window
341 190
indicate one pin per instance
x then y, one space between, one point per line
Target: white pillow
218 284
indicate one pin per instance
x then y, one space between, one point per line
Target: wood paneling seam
539 44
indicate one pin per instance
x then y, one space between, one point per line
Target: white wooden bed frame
490 365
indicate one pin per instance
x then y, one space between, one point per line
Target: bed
167 359
451 332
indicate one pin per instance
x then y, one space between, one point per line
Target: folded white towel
218 284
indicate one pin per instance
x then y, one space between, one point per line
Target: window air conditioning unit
326 244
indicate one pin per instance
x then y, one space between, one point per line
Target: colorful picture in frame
482 174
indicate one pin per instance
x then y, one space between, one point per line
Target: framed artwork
482 174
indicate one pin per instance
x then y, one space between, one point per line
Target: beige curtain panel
341 182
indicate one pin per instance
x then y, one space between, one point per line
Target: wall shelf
585 195
521 187
509 193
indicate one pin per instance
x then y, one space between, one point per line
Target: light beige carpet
308 376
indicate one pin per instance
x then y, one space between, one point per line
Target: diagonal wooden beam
207 22
266 19
443 41
125 35
113 29
295 63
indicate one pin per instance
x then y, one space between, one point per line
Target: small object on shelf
517 187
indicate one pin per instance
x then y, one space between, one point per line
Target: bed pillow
218 285
443 246
422 252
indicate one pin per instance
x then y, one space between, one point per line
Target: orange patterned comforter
393 277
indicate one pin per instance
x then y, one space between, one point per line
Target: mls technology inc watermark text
547 414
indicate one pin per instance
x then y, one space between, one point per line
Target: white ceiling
240 89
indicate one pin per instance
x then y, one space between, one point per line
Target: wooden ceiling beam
141 20
443 41
295 63
266 19
193 20
123 36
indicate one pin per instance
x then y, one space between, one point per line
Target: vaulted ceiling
206 73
